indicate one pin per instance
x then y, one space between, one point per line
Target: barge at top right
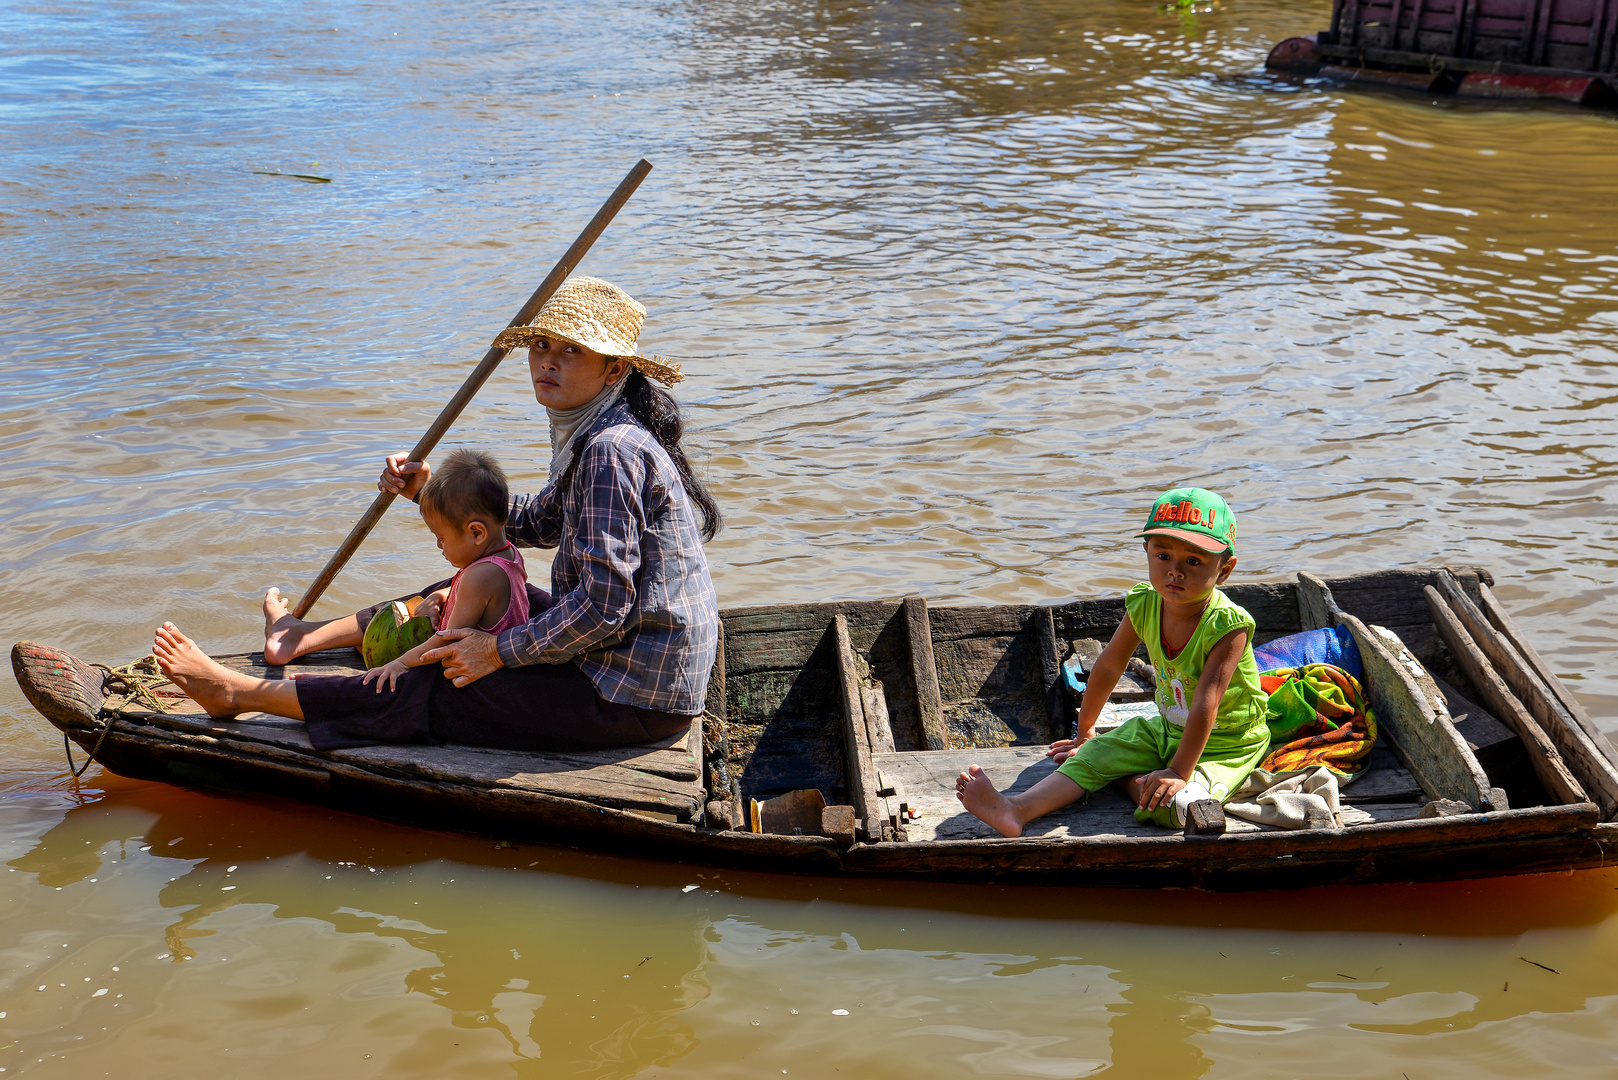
1546 50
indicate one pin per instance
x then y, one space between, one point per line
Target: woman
618 654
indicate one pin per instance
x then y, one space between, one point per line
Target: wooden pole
474 382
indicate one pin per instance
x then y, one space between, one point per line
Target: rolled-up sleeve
605 552
536 520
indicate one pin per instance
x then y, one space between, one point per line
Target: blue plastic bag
1333 646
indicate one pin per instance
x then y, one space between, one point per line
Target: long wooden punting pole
480 375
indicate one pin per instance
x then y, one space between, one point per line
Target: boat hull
849 700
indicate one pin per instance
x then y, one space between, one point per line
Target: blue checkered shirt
634 606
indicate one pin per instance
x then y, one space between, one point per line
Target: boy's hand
1062 749
1159 788
432 605
389 673
401 476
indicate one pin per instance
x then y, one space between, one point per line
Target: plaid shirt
634 605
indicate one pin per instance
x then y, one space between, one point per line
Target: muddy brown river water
960 288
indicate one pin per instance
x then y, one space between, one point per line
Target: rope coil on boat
135 681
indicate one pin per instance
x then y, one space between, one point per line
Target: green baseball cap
1195 515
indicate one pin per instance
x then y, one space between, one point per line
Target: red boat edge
1505 50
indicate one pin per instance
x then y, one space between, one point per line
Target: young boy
464 505
1210 731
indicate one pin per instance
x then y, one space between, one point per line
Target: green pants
1146 744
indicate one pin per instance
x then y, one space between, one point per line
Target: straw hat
598 315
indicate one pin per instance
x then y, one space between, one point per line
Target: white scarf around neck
566 423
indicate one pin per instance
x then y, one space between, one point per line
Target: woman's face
566 375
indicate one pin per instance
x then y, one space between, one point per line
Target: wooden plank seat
1387 793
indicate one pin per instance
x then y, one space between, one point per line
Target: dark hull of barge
1504 50
877 705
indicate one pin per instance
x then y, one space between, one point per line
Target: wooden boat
1487 765
1565 50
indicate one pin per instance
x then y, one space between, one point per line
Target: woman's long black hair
659 413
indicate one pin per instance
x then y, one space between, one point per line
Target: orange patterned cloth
1318 716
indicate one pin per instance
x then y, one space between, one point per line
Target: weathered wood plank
1256 859
1273 604
1384 781
717 701
1496 746
251 728
859 614
1433 750
999 620
859 774
1392 598
325 662
924 674
1584 756
1057 709
602 785
1315 606
1088 618
877 726
1017 768
1569 702
1549 766
675 757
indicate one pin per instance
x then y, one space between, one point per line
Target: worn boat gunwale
863 654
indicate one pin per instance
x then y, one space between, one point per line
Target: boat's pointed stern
67 691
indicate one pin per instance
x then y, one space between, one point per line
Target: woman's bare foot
200 677
986 804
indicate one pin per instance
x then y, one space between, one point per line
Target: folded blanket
1282 800
1318 716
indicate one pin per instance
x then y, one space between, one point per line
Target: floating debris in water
308 178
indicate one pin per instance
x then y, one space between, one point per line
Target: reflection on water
959 287
596 976
199 927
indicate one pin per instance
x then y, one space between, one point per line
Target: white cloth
566 423
1283 800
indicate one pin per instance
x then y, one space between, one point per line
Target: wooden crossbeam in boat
1057 711
718 691
1579 752
1552 771
1434 751
1508 629
859 773
924 674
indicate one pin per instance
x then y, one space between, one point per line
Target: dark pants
537 707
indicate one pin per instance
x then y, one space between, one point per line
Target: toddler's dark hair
469 484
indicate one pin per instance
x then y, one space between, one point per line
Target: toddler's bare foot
201 678
986 804
283 632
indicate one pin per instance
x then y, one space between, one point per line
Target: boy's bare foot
986 804
283 632
200 677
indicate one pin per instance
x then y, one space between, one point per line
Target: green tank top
1244 704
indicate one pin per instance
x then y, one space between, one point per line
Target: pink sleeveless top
516 575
